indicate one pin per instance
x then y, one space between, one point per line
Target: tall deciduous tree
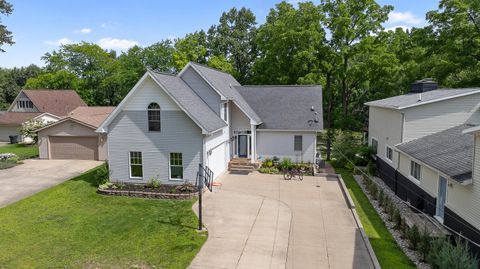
5 35
349 22
234 39
193 47
455 50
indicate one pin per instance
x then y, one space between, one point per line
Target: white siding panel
385 125
280 144
465 200
150 92
435 117
239 120
6 131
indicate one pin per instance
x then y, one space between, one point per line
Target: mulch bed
161 192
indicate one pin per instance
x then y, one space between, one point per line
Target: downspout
253 144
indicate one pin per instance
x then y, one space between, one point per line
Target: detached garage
74 137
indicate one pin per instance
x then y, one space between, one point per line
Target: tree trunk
345 89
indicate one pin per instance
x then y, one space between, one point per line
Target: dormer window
153 117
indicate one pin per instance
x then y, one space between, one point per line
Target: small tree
29 128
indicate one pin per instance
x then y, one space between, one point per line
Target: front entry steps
241 166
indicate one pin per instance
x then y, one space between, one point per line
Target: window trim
130 165
411 176
386 151
159 116
170 168
295 143
224 111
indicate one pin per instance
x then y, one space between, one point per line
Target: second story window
153 117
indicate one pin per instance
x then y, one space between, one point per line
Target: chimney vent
424 85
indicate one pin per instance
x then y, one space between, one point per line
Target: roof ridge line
279 85
209 67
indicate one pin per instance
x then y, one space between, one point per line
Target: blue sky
40 26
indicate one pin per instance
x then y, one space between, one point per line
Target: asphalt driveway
36 175
263 221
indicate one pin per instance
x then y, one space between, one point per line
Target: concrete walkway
36 175
263 221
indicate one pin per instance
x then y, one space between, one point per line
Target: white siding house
168 125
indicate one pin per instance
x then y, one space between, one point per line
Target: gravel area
403 208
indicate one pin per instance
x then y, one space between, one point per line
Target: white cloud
404 17
83 31
115 43
61 41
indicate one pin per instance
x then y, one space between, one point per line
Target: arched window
153 117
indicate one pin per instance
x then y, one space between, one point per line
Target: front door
442 197
242 146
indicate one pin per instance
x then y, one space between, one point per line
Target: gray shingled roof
449 151
225 84
412 99
190 101
285 107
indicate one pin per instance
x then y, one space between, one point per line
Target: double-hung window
298 143
176 166
415 170
136 164
389 153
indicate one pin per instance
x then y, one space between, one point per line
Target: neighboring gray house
426 152
169 124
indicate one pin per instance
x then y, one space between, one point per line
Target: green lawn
386 249
71 226
22 151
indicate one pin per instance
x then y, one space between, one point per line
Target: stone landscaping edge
154 195
365 238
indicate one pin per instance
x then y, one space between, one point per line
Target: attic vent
424 85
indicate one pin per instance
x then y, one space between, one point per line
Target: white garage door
217 160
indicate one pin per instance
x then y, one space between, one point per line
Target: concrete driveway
263 221
36 175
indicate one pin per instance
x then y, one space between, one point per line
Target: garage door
217 160
77 148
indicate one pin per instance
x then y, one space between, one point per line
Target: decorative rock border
153 195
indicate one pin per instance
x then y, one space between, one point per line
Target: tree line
339 44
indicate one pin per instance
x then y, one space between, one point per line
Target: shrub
344 148
29 128
414 237
267 163
373 190
186 188
425 243
102 175
286 164
443 255
275 160
371 168
153 183
271 170
403 228
381 197
391 210
397 218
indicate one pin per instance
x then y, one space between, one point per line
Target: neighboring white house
425 155
47 105
169 124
